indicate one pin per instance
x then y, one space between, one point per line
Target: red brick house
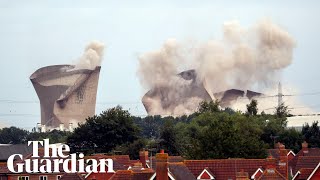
120 162
308 173
72 176
36 176
305 161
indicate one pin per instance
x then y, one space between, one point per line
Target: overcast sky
34 34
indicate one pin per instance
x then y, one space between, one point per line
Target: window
58 177
23 178
43 178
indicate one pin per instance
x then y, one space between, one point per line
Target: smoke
269 104
244 58
92 56
3 125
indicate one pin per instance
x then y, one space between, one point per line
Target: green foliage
220 135
212 106
13 135
132 149
150 126
252 108
282 111
104 132
54 136
272 128
168 137
312 134
292 139
208 133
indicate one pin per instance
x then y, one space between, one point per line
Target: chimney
137 167
283 160
305 147
144 158
162 165
242 175
270 163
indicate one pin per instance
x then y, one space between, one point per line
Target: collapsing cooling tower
169 99
67 94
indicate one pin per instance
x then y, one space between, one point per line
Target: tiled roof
142 175
276 153
310 152
180 171
271 174
130 175
122 175
71 176
4 170
307 152
304 173
171 159
225 168
306 162
120 162
6 150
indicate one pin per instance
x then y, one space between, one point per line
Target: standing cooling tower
66 94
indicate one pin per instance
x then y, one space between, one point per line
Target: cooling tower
168 99
67 94
190 89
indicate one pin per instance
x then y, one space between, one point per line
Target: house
136 172
72 176
6 150
305 164
305 160
224 169
120 162
170 170
37 176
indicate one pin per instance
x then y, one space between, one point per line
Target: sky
34 34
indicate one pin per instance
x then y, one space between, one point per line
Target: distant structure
67 95
192 89
297 122
279 94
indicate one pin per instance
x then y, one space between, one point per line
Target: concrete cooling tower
165 99
67 94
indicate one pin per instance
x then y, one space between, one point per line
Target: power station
67 94
164 98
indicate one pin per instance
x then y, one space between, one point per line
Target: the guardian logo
51 163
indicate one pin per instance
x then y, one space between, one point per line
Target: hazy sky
34 34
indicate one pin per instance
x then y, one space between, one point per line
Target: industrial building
67 94
188 88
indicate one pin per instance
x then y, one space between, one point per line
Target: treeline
211 132
14 135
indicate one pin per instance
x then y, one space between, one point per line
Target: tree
292 139
221 135
168 138
132 149
212 106
55 136
272 129
282 111
13 135
150 126
252 108
311 134
104 132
